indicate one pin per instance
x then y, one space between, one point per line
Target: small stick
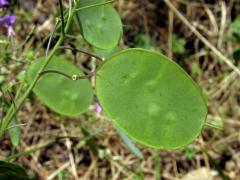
170 31
70 155
50 38
18 125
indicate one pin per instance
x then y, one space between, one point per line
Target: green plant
235 38
235 29
178 44
146 94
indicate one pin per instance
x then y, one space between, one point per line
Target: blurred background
94 149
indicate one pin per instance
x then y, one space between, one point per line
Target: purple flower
4 3
98 108
8 22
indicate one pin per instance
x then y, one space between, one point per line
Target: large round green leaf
61 94
151 98
101 25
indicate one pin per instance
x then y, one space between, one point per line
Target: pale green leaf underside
60 94
130 144
151 98
100 26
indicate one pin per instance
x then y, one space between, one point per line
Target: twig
223 85
223 23
18 125
212 126
202 38
50 38
82 51
70 155
68 36
215 30
170 31
227 139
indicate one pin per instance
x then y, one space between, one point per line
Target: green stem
13 110
62 17
73 77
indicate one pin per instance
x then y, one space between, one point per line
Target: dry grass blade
202 38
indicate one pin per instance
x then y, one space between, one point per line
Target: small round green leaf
101 25
59 93
151 98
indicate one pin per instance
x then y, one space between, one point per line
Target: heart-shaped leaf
59 93
101 25
151 98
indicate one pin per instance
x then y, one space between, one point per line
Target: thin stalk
74 77
70 9
82 51
50 39
14 126
55 72
66 16
62 17
212 126
20 88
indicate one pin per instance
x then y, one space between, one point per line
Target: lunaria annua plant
145 94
